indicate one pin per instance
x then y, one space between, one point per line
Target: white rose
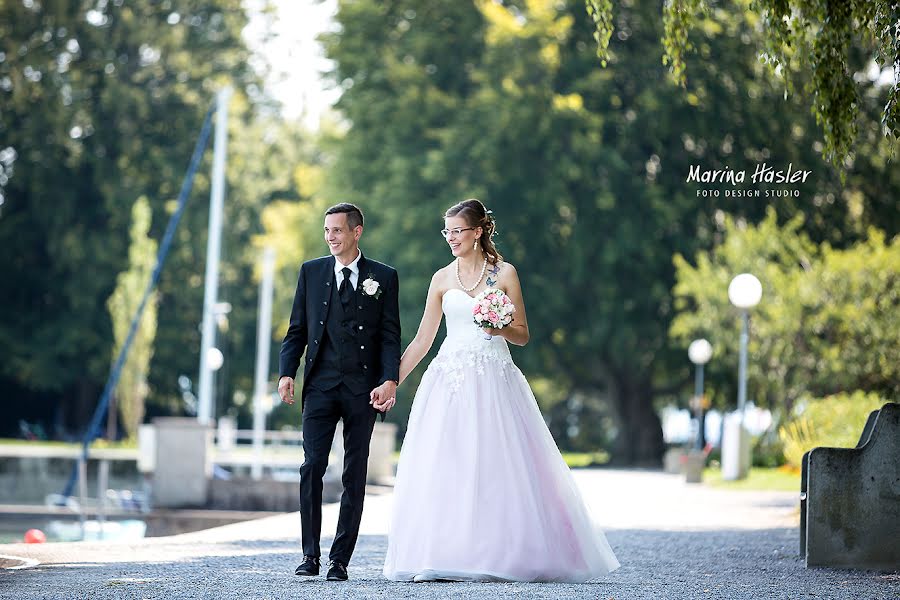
479 317
370 286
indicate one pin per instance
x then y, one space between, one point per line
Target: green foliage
768 450
585 459
293 227
801 37
264 154
102 104
584 168
585 171
678 17
123 304
827 321
600 12
780 479
833 421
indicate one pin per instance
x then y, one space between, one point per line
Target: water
12 533
69 530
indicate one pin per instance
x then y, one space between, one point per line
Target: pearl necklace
480 277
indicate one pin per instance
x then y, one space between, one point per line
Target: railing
281 449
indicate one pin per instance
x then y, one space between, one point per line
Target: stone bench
850 499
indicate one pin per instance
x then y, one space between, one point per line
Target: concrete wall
182 469
28 479
244 493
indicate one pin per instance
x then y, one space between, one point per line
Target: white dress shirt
354 271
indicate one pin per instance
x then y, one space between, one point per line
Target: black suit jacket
378 334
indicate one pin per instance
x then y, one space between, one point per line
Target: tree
263 155
585 170
292 225
799 36
827 322
102 104
132 388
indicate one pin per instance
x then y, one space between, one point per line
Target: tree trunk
640 440
111 419
78 406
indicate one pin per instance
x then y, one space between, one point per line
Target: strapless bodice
465 344
461 328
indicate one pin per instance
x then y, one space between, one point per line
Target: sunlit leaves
801 36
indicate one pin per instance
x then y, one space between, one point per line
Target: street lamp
700 351
214 359
745 292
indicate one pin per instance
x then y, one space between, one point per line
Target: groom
347 317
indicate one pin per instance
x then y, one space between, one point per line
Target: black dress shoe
337 571
309 566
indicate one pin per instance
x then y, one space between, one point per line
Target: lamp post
263 343
214 361
744 292
700 351
211 286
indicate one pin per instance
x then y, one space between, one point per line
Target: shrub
768 450
834 421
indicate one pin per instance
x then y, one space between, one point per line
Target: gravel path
673 540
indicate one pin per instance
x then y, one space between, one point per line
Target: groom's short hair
354 214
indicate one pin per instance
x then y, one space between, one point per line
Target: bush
768 450
834 421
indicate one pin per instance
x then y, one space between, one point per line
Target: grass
20 442
585 459
779 479
573 459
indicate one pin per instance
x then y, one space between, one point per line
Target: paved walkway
673 540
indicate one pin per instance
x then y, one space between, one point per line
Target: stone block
182 468
852 499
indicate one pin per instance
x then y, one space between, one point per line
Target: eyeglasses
455 232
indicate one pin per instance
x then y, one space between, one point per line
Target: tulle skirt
482 493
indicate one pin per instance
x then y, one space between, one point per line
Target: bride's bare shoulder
506 270
441 280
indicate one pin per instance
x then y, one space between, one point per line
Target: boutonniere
372 288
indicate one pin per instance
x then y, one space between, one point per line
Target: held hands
384 396
286 389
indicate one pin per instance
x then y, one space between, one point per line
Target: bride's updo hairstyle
476 215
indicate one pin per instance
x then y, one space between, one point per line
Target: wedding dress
482 493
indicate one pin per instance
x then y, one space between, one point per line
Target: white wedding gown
482 492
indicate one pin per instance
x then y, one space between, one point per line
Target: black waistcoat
339 360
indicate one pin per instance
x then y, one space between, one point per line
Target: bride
482 493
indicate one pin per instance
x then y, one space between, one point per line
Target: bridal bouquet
493 308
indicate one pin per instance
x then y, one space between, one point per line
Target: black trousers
321 412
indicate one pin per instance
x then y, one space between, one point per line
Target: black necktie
346 289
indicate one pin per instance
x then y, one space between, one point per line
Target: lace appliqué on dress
453 364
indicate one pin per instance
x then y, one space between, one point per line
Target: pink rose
493 317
